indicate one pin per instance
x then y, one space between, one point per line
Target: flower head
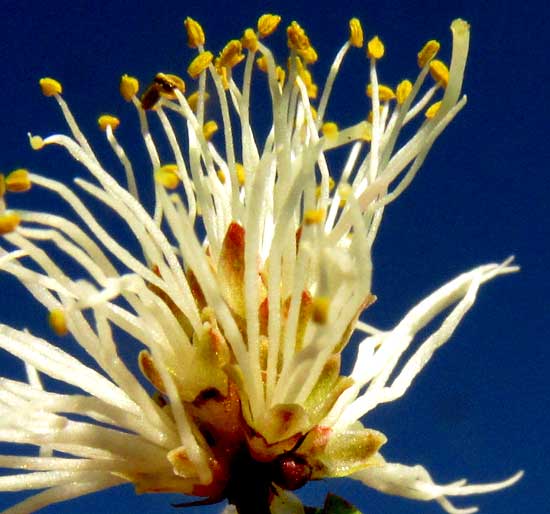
253 272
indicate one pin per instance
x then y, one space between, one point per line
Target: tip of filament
50 87
36 142
58 322
355 33
460 26
129 86
199 64
195 33
267 23
375 48
107 120
18 181
9 221
428 52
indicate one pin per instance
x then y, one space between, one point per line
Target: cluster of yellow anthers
256 267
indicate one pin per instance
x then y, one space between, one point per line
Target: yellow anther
2 185
309 55
367 133
221 176
129 86
166 84
261 62
199 64
163 85
267 24
344 192
231 55
330 130
297 38
193 100
167 176
321 306
250 40
331 184
37 143
375 48
58 322
298 63
314 216
209 129
439 72
106 120
428 52
355 33
307 79
9 222
280 74
170 168
313 112
18 181
50 87
403 90
385 93
222 71
312 91
432 110
195 34
239 168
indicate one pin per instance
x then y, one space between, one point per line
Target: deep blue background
480 408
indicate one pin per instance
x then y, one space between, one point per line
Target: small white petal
58 364
376 370
416 483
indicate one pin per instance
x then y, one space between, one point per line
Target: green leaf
336 505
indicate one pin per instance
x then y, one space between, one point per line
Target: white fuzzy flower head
253 271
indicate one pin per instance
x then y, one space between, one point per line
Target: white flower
255 267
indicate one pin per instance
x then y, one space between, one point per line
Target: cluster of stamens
254 321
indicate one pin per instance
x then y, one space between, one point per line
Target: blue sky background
480 408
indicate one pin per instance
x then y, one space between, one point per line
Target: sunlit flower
239 291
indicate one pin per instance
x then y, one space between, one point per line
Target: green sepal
336 505
333 505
